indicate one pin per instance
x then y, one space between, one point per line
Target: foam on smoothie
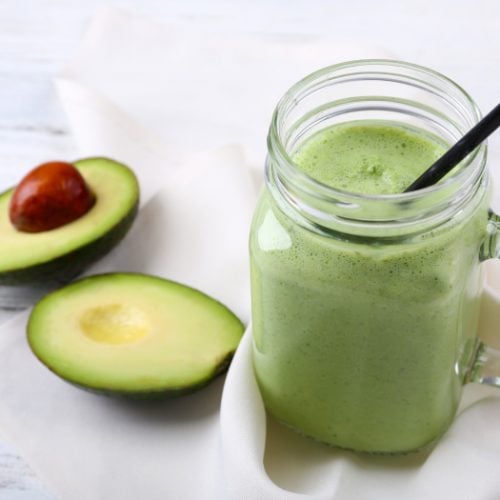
368 158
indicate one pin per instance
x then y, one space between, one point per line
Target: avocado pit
50 196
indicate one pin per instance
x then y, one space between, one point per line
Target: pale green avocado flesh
63 253
133 334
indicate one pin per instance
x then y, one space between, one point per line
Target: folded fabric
193 89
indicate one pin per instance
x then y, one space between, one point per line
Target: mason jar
365 307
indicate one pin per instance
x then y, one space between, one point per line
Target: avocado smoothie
360 344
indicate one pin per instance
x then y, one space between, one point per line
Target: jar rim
464 175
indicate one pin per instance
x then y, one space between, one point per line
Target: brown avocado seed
51 195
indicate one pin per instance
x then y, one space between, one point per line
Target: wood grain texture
37 36
455 37
17 480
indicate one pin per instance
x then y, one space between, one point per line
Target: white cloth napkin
133 91
194 89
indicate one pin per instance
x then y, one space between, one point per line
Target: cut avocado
133 334
61 254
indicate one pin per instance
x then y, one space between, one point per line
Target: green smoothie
358 344
368 159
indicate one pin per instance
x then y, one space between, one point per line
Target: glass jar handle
485 367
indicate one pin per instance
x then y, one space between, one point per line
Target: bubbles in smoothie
375 157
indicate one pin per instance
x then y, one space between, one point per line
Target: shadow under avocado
201 404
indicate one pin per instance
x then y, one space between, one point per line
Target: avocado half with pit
61 254
133 335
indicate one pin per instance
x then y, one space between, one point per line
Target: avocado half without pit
133 335
34 256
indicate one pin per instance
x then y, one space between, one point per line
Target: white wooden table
457 37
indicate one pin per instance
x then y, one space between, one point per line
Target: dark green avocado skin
67 267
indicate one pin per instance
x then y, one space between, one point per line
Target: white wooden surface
457 37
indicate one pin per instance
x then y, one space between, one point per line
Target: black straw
475 136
